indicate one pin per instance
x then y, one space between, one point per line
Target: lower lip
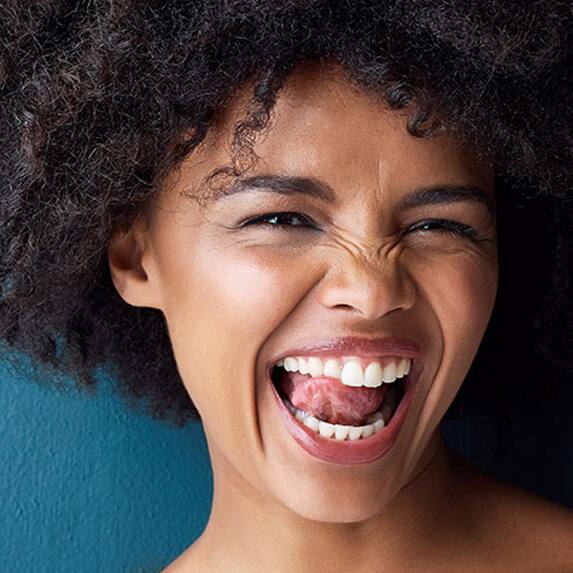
348 452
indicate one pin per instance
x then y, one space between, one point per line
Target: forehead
325 127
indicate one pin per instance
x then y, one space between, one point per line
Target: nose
370 286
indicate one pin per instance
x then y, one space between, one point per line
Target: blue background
88 486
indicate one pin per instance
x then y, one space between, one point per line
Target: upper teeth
349 371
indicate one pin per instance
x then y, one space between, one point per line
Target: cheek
243 295
465 295
222 307
462 295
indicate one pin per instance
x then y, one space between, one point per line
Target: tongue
329 399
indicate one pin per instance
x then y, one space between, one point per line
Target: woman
288 213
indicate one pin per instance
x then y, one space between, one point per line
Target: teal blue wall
87 486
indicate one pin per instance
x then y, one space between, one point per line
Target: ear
130 260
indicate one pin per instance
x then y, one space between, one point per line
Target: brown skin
235 299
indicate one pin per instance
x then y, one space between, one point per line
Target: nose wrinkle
370 252
368 282
376 259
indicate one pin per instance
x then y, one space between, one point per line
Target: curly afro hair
99 98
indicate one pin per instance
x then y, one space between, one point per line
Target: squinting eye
446 226
278 220
284 221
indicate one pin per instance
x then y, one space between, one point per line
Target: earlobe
127 255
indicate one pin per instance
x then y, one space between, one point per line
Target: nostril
345 306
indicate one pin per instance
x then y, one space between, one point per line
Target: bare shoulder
192 559
520 528
538 530
184 562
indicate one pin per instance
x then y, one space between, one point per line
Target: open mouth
345 399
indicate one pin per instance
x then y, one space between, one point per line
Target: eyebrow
314 187
433 195
284 185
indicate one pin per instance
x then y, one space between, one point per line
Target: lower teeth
339 432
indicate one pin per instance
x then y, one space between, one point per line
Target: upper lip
356 346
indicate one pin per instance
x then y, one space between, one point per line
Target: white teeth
299 415
349 372
338 432
378 425
373 376
291 364
325 429
332 368
401 370
355 432
315 366
312 423
367 431
352 374
390 373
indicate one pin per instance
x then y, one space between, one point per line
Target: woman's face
238 298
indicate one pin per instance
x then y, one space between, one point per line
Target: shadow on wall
519 433
88 486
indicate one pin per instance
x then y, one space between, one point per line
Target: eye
281 219
286 219
446 226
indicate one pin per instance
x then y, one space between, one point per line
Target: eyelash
447 226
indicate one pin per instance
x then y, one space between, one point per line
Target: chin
351 511
336 503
